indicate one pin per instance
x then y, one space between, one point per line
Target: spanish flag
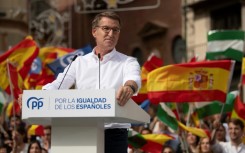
40 73
13 108
152 63
21 55
195 119
59 51
190 82
37 130
243 71
238 110
152 143
50 54
16 80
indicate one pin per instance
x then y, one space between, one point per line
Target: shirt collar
106 57
240 145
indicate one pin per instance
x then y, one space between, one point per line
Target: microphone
99 68
67 70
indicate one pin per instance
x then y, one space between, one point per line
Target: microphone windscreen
74 57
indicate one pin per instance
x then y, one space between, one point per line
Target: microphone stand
99 68
67 70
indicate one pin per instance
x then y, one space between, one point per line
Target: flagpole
11 91
182 134
189 114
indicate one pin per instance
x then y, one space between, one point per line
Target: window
137 53
226 18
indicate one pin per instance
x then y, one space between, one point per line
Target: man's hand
20 100
123 94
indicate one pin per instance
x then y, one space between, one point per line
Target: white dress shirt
229 148
115 69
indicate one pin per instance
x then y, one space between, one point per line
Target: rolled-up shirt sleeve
132 71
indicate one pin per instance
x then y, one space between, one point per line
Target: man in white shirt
117 71
236 132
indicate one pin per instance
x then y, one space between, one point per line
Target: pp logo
34 102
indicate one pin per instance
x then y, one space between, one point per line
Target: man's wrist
132 87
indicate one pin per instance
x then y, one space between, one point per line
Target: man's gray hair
111 15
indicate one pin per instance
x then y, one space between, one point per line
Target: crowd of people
223 136
15 137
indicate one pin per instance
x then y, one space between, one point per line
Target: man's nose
110 32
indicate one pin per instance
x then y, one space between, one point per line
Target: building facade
148 26
201 16
205 15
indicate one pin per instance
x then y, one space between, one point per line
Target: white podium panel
77 117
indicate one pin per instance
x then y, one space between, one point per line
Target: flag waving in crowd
21 55
190 82
225 44
15 80
166 115
152 143
206 109
243 71
152 63
57 66
39 73
238 110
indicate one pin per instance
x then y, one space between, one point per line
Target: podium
77 117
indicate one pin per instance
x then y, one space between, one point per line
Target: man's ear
94 32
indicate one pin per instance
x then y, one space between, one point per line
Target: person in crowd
146 131
14 121
161 128
46 138
4 148
236 133
192 142
204 145
44 150
167 149
220 133
34 147
118 71
18 137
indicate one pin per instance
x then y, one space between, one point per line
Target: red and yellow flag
21 55
243 71
195 119
194 130
152 63
190 82
238 110
16 80
43 75
37 130
13 108
48 51
149 142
